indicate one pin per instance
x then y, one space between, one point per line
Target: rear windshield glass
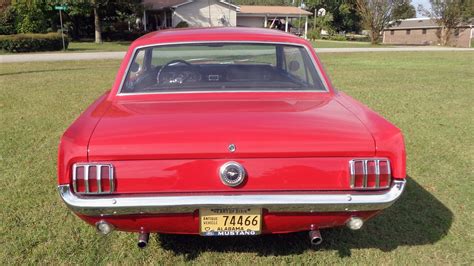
221 67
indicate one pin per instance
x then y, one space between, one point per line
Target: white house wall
196 14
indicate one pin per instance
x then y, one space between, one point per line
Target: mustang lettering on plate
227 132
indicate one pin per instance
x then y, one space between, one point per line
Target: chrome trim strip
86 177
273 202
352 172
318 70
74 177
377 173
365 173
389 171
98 176
111 179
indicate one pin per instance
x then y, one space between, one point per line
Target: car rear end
277 177
173 158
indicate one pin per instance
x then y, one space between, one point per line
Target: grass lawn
98 47
428 95
76 47
343 44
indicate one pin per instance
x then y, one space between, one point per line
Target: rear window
221 67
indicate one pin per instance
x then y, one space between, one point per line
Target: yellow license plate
230 221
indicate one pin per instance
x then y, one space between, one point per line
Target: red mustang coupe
227 132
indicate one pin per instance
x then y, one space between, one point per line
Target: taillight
370 173
93 178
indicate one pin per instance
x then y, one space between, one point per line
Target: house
161 14
268 16
425 31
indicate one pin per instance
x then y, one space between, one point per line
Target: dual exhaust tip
143 240
106 228
315 238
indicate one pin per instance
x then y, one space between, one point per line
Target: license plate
230 221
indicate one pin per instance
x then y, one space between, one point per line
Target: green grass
344 44
76 47
428 95
98 47
123 46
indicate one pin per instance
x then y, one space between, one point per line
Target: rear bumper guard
109 205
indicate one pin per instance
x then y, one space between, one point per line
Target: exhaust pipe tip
315 237
355 223
104 227
143 240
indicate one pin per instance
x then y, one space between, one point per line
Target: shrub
32 42
122 36
337 37
182 24
314 34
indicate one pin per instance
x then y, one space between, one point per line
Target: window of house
408 32
423 31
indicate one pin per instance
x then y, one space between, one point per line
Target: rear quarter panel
74 142
387 137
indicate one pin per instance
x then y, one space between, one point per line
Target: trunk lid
296 126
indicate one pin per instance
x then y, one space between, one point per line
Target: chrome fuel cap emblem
232 174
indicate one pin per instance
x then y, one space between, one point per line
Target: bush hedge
32 42
182 24
121 36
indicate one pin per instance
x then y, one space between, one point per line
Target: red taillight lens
385 174
358 174
93 178
370 173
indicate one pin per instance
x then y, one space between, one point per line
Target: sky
425 3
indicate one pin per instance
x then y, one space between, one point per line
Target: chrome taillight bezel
99 167
364 162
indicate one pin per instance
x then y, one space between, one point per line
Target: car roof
225 34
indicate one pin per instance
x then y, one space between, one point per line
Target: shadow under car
417 218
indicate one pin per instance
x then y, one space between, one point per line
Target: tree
375 14
7 18
324 23
31 16
448 14
97 25
403 10
344 13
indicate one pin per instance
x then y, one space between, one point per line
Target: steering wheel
172 62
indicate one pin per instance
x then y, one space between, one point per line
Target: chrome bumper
273 202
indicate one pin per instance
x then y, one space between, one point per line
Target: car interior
203 74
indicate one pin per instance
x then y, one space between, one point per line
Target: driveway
37 57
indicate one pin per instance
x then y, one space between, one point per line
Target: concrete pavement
60 56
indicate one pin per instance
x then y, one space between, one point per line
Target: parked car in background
227 132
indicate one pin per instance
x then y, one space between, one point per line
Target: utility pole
210 19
